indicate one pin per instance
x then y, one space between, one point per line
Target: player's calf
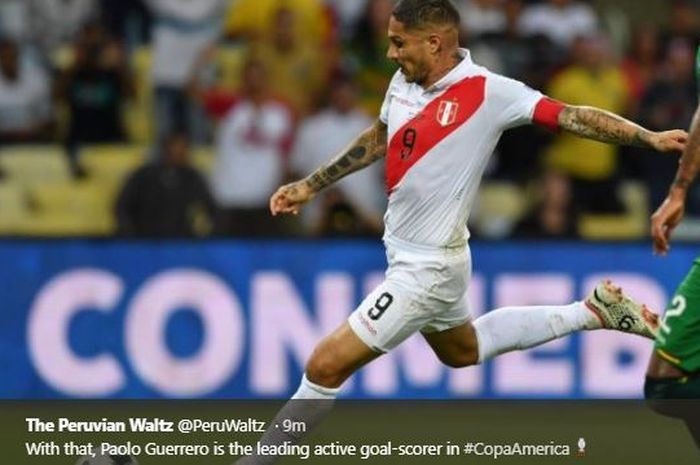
456 347
337 357
324 370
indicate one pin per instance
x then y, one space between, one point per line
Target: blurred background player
25 98
166 197
254 133
591 79
183 30
93 89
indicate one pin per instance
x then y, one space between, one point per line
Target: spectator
553 215
253 138
94 89
250 19
683 22
520 58
15 20
166 198
360 197
592 79
669 102
299 70
533 61
347 14
561 21
483 17
130 19
642 62
46 24
57 23
25 97
183 30
339 218
368 55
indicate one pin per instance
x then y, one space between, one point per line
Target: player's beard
410 74
414 74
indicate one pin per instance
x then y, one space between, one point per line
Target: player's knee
323 370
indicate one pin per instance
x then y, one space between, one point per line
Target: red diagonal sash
424 131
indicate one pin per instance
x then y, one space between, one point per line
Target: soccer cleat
617 311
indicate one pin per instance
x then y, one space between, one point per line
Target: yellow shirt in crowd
298 75
606 89
253 18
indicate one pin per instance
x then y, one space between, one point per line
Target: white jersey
439 143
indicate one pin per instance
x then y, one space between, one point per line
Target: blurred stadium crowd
179 118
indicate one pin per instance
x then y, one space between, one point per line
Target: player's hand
669 141
665 219
290 198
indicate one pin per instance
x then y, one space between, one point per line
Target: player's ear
434 43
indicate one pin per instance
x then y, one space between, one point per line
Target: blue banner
104 319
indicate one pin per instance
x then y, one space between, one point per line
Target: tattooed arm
671 211
690 161
603 126
369 147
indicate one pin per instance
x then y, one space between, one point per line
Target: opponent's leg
693 425
683 387
335 358
659 368
676 398
669 391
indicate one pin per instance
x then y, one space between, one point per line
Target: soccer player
441 119
674 368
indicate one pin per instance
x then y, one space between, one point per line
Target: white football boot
617 311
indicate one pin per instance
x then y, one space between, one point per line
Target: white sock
517 328
310 405
308 390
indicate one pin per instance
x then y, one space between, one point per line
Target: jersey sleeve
520 105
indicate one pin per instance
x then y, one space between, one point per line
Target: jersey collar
455 75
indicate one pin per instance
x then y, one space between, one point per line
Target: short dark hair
417 13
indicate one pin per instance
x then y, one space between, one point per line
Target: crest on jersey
447 112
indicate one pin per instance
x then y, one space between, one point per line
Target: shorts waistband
432 250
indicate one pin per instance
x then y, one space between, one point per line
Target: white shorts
421 292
